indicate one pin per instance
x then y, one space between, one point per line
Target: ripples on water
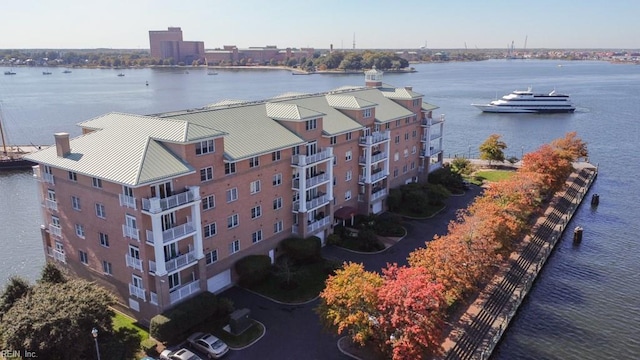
583 306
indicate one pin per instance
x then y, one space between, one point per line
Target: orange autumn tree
547 163
412 309
570 147
349 302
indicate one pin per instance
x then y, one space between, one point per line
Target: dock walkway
481 327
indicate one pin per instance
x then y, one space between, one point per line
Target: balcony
311 182
51 204
157 205
178 294
377 157
429 121
128 201
377 175
177 263
426 138
375 138
314 226
137 292
133 262
304 160
314 203
57 254
174 233
131 232
48 178
378 194
153 298
55 230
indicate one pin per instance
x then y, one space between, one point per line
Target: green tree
56 317
15 289
52 274
492 149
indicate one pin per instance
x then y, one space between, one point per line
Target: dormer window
366 113
311 124
205 147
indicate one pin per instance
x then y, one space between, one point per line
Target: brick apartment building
231 54
168 44
159 208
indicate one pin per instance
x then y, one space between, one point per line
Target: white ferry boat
526 101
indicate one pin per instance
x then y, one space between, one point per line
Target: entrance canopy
345 213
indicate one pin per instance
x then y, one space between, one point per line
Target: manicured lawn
120 320
307 282
244 339
494 175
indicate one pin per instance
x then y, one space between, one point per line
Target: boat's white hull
529 102
501 109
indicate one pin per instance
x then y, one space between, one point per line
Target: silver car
208 344
182 354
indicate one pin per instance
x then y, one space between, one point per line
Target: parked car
182 354
208 344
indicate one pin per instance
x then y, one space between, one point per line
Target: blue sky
396 24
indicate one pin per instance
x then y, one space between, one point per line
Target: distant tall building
168 44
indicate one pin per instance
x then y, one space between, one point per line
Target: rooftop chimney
62 144
409 88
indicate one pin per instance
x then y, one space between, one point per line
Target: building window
348 155
80 231
232 194
348 136
395 172
295 150
97 183
211 257
277 203
174 280
229 168
406 121
366 113
104 239
311 124
413 165
387 126
404 169
347 195
413 149
416 102
397 123
208 202
406 152
206 174
276 155
396 156
106 267
278 227
397 139
254 187
75 203
210 230
73 176
100 212
233 221
254 162
83 257
414 134
234 247
406 136
277 179
333 140
256 236
256 212
205 147
349 175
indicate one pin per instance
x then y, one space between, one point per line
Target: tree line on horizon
402 310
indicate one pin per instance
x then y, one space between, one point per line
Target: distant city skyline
375 24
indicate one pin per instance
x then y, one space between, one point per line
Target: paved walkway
480 328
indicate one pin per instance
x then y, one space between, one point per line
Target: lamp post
469 157
94 332
521 152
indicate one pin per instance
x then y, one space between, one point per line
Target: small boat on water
212 73
10 72
67 72
121 74
46 73
526 101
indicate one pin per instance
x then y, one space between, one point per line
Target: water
584 305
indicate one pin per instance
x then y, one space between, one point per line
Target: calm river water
585 303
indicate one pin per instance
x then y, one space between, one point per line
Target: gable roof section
348 102
284 111
399 93
334 122
387 109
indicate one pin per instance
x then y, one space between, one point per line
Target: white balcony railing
133 262
56 254
51 204
378 176
374 158
312 181
55 230
174 233
184 291
318 224
137 292
128 201
375 138
156 204
153 298
313 203
378 194
181 261
48 178
131 232
304 160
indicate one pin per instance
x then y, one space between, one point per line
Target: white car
208 344
182 354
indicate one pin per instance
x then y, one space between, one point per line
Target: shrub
334 239
149 346
369 240
171 326
253 269
303 250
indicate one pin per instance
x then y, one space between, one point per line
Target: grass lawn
493 175
244 339
120 320
309 281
